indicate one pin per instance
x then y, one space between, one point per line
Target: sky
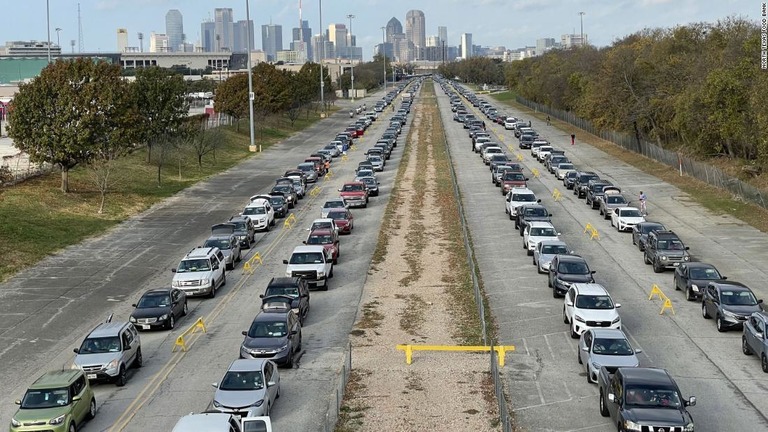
510 23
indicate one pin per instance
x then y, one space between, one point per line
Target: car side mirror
215 385
538 200
759 301
686 248
285 261
559 234
593 271
550 215
133 304
724 277
585 349
339 190
261 295
18 402
759 335
569 303
245 333
618 305
294 332
76 398
691 401
611 397
215 266
526 179
173 270
304 241
76 350
638 351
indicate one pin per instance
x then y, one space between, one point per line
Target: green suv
59 401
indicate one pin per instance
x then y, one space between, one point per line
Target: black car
570 179
580 185
244 230
526 140
693 277
293 288
729 303
371 184
565 270
159 308
274 334
531 212
288 191
641 230
595 192
279 204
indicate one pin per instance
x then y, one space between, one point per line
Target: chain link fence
17 167
699 170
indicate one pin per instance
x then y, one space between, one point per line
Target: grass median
37 219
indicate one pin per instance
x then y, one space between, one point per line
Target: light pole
58 38
48 26
351 57
384 55
322 57
581 18
252 147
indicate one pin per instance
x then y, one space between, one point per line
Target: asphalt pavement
45 311
547 386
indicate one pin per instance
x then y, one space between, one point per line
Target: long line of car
635 398
62 400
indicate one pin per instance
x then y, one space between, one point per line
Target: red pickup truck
355 194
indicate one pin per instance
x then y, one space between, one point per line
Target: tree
202 141
71 110
232 97
160 96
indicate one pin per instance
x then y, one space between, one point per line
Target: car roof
731 285
519 190
272 313
665 234
609 334
590 289
107 329
354 183
309 248
56 378
156 291
320 231
246 365
572 257
540 224
647 375
697 264
203 422
553 243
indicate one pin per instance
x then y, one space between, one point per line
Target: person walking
643 198
548 120
483 125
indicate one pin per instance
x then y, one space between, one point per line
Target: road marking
549 347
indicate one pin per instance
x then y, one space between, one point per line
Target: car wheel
139 362
277 395
745 346
549 281
589 375
510 216
720 325
603 409
534 260
223 280
121 377
185 310
212 294
764 363
689 295
269 227
657 268
578 357
554 293
72 427
574 335
289 362
171 322
704 312
646 260
565 317
230 266
91 409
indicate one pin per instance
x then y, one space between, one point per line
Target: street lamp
48 26
352 60
252 147
58 38
384 55
581 18
322 57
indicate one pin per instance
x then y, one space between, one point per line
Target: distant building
208 36
466 46
29 49
224 38
337 34
386 49
174 28
158 42
241 36
573 40
290 56
271 40
122 40
543 45
442 33
415 30
433 41
190 60
302 36
394 27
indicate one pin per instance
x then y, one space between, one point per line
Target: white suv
517 197
261 213
200 272
535 232
588 306
509 123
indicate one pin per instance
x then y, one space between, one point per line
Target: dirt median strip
419 291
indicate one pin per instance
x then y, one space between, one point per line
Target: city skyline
489 22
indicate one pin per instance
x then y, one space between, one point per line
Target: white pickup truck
313 263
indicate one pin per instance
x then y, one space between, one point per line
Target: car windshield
319 239
306 258
194 265
100 345
737 298
670 245
283 188
240 226
290 291
554 249
352 188
615 199
524 197
573 268
650 227
543 232
264 329
277 201
320 225
307 167
630 213
370 181
337 215
649 397
45 398
255 211
705 273
594 302
513 176
154 301
572 174
245 380
617 347
223 244
536 212
564 166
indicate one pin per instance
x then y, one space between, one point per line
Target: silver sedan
545 251
605 347
249 388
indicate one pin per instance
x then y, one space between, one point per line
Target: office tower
122 39
393 28
158 42
174 28
466 45
240 32
433 41
543 45
337 34
208 36
415 29
224 36
271 40
303 34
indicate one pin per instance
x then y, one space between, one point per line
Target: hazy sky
511 23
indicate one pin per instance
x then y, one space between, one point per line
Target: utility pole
48 26
384 55
58 36
250 77
322 57
581 18
351 57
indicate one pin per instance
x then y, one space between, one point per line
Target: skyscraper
393 28
442 33
415 29
337 33
224 39
271 40
158 42
302 34
466 45
122 39
240 32
208 36
174 28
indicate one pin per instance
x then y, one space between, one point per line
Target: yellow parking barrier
667 303
180 343
314 192
328 175
510 148
250 265
592 231
344 158
557 195
535 173
519 157
501 350
289 221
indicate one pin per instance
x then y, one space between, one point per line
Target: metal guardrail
500 350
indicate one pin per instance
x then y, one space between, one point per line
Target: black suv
244 230
294 287
580 185
529 213
565 270
595 192
663 250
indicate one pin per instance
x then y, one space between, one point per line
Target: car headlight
616 320
258 403
564 283
295 310
596 365
216 404
686 258
58 420
112 365
132 319
631 426
695 287
242 237
578 318
688 427
15 423
205 281
163 317
288 273
282 348
320 273
175 284
729 314
663 257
